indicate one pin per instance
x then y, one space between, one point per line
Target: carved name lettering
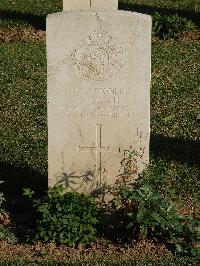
99 91
99 103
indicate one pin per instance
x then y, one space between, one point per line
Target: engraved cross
98 148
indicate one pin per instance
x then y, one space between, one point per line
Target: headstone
69 5
98 96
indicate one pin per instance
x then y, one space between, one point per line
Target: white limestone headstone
99 65
78 5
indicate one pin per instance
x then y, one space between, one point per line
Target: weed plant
157 217
5 233
65 218
168 26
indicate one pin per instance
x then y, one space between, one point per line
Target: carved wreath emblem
99 57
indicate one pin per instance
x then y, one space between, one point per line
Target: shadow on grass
178 150
39 21
16 178
150 10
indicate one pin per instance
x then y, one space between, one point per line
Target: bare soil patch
189 36
16 34
182 37
51 251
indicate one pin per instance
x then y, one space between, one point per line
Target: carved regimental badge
99 57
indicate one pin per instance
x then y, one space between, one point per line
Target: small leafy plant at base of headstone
157 217
1 196
66 218
168 26
5 233
1 201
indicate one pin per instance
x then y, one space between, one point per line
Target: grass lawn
109 262
175 112
180 5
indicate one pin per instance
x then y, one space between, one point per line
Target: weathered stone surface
70 5
104 4
98 97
